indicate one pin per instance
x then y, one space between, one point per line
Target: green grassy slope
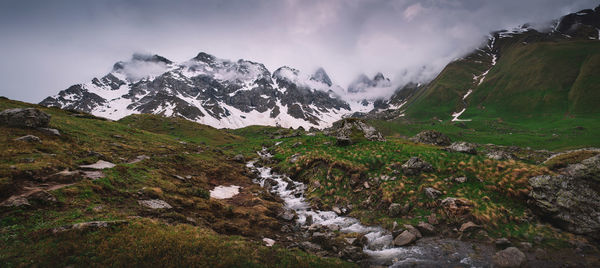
531 81
197 232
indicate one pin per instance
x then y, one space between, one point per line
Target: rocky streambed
346 237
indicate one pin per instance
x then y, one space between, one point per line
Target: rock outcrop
570 200
431 137
28 117
351 130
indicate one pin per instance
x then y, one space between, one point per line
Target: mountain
519 75
209 90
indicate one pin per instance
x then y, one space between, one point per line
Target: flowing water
427 252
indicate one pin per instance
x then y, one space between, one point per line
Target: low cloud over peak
51 45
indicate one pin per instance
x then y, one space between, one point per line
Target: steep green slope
533 81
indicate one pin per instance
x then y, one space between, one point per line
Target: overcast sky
46 46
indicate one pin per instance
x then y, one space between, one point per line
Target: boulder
415 166
431 137
426 228
571 203
413 230
457 207
510 257
351 130
588 169
432 193
239 158
29 138
404 238
462 147
24 117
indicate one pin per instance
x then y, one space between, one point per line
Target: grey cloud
49 45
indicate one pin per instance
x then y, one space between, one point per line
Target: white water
380 241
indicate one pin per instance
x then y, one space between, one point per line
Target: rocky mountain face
209 90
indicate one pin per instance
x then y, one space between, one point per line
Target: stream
426 252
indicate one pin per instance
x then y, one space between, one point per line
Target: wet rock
404 238
337 210
239 158
309 220
502 243
568 202
28 138
49 131
413 230
101 164
24 117
415 166
288 215
269 183
432 193
510 257
323 239
426 228
155 204
431 137
462 147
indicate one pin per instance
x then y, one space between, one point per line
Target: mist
50 45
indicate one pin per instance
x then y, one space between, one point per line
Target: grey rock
24 117
426 228
499 155
462 147
50 131
239 158
568 202
100 164
90 225
510 257
346 129
460 179
431 137
155 204
404 239
415 166
413 230
432 193
29 138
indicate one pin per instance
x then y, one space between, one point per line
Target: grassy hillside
184 160
532 80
